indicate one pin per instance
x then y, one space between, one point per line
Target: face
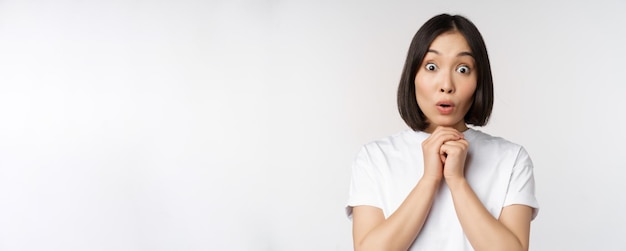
446 81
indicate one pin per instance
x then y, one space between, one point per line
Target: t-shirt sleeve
364 187
522 184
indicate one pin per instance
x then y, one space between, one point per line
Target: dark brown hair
482 104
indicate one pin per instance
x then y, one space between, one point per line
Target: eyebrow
463 53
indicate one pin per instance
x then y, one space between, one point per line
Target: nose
447 90
446 84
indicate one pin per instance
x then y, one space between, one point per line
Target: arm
483 231
371 231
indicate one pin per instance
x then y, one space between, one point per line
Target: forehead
452 42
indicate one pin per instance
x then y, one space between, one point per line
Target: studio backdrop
232 125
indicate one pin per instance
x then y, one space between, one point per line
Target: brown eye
431 67
464 69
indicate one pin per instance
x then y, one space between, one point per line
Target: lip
445 107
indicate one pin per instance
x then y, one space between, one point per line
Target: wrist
431 179
454 182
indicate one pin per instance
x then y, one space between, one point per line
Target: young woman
442 185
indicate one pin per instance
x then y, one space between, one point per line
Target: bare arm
371 231
483 231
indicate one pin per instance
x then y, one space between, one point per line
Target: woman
442 185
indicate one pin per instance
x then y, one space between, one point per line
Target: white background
231 125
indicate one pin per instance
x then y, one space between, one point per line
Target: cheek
468 94
421 83
468 87
420 90
471 90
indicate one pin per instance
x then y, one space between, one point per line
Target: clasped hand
444 154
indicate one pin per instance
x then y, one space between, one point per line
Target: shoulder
395 142
485 147
485 140
394 146
484 143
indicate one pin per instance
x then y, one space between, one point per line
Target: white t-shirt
386 170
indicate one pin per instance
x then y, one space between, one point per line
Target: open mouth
445 107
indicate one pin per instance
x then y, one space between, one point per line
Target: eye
464 69
431 67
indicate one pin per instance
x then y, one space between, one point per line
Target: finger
444 136
462 143
458 142
448 129
454 148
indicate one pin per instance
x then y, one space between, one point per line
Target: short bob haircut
482 103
